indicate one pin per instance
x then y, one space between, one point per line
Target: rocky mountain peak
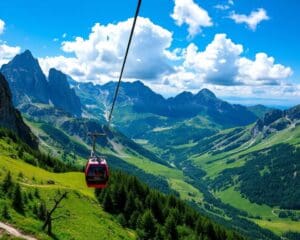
25 78
61 95
29 85
206 93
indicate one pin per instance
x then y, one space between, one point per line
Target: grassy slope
215 164
86 221
175 177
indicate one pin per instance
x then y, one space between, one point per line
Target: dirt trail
14 232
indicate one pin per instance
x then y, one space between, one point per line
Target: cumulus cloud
2 25
101 54
252 20
69 65
188 12
221 66
7 53
221 63
217 63
262 71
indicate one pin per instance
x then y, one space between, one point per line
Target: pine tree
98 194
30 197
199 227
171 201
170 228
108 203
154 204
159 233
121 219
21 153
133 219
5 214
25 198
35 210
129 205
147 226
37 193
118 195
7 183
211 231
42 211
17 202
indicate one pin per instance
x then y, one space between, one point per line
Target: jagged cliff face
10 118
26 79
29 85
61 95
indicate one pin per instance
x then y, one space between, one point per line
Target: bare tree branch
48 221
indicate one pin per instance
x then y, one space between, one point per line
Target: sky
245 51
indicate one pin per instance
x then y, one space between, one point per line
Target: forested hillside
27 192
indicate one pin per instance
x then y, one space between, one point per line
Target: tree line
155 215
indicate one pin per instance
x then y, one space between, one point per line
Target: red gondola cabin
96 172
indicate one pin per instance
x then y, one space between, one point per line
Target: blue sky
171 52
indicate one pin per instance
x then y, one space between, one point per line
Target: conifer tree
5 213
17 200
108 203
42 211
37 193
129 205
7 183
121 219
133 219
147 226
170 228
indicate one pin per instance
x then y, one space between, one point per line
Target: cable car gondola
96 172
96 169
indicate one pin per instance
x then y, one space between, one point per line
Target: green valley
80 215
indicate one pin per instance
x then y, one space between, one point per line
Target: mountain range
238 165
183 106
27 189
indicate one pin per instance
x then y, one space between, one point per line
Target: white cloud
222 7
262 71
218 63
222 64
7 53
99 57
2 25
64 35
188 12
55 39
251 20
69 65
